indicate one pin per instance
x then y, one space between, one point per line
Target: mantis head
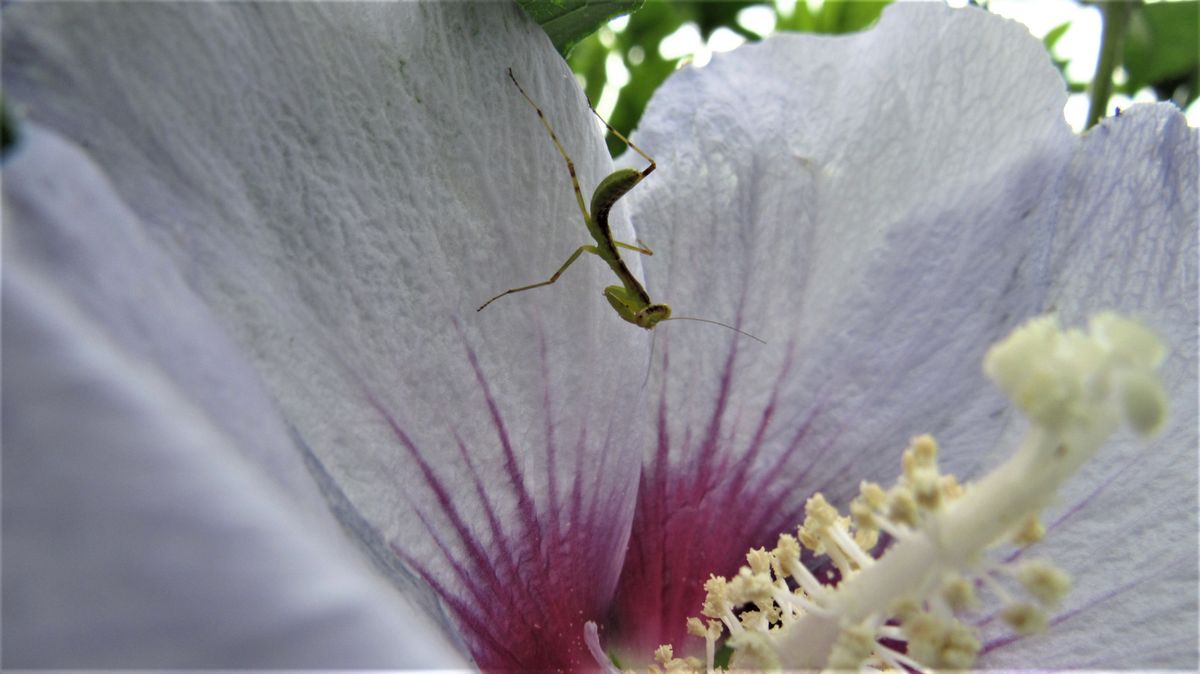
652 316
633 309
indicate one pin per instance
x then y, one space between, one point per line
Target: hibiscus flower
252 417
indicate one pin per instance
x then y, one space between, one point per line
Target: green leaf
1161 48
569 21
1052 39
1056 34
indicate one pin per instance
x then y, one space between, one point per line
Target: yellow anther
873 495
921 471
927 488
696 628
866 538
1044 581
754 651
854 645
902 506
1024 618
664 654
809 540
748 586
925 636
939 642
759 560
924 450
1031 531
818 510
773 614
958 592
862 514
716 600
960 648
951 489
787 552
754 620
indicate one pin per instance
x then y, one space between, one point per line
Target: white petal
145 524
344 185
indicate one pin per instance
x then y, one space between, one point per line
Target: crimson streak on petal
521 601
700 507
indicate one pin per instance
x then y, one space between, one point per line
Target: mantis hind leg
649 169
574 256
558 144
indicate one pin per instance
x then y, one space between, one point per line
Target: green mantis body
630 299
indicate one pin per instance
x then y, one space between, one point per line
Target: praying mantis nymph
630 299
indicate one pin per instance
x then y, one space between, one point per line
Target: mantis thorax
611 189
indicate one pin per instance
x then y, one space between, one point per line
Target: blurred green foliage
637 46
835 16
1145 45
1158 49
1162 51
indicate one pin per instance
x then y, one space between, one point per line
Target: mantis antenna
723 325
650 362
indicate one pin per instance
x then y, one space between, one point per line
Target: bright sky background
1080 46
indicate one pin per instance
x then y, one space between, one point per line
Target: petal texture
145 525
880 207
344 185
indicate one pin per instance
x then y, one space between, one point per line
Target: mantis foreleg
641 247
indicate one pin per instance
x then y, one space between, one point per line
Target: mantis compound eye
653 315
